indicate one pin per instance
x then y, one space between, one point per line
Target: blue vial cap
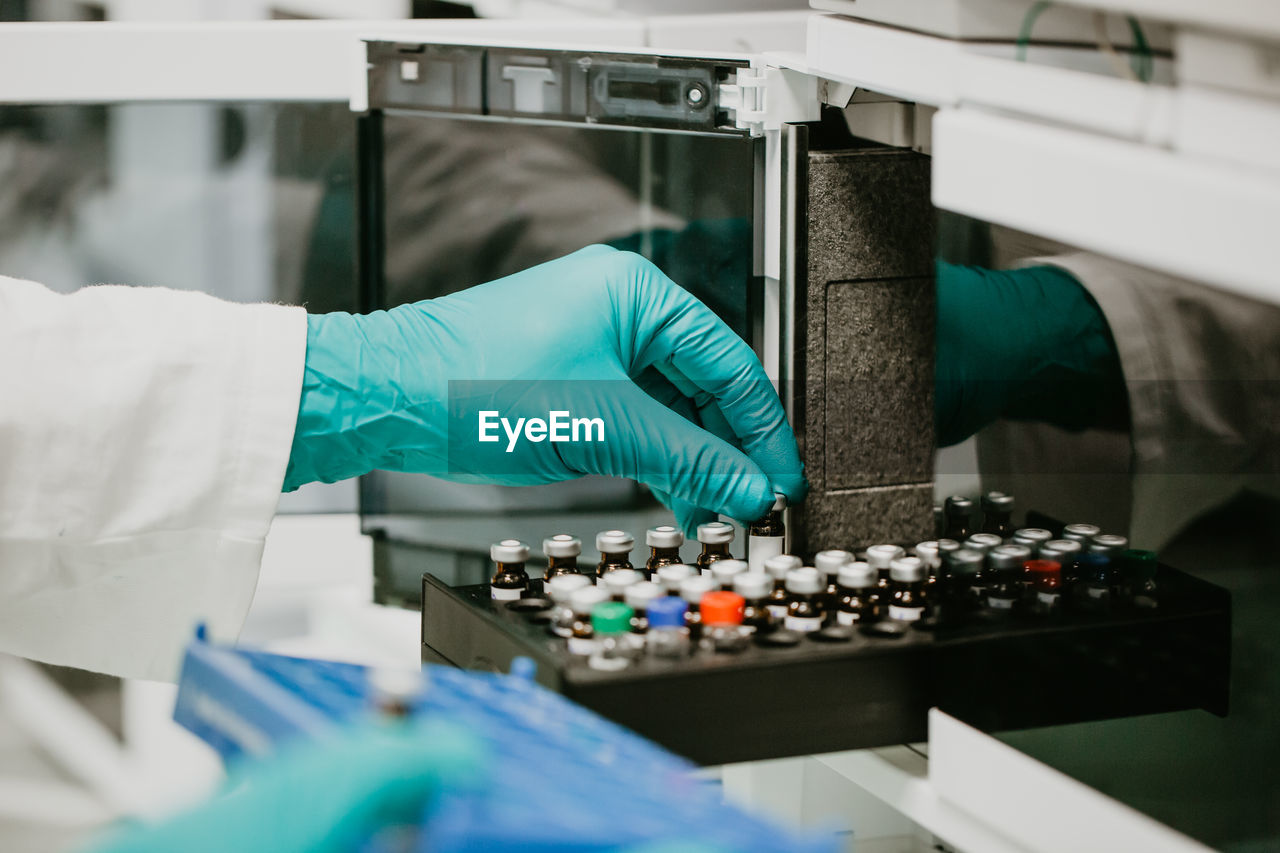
1094 565
666 612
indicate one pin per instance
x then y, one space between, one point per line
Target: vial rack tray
866 690
557 777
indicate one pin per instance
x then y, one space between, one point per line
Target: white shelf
1255 18
1204 220
979 795
899 776
1060 84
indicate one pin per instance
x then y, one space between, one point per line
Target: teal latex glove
685 406
1024 344
321 796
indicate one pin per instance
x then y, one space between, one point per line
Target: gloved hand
322 797
1023 344
683 404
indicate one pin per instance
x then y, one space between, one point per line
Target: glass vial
857 602
1065 552
828 564
982 542
880 557
1139 569
670 577
777 568
767 536
509 581
615 582
722 615
1097 579
965 586
1032 537
562 552
615 551
638 597
611 625
724 571
581 638
804 610
906 587
754 587
997 514
1044 585
692 590
928 553
560 590
1082 533
1004 567
715 536
1110 544
959 517
664 548
668 635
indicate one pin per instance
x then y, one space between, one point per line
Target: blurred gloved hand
1023 344
321 796
684 404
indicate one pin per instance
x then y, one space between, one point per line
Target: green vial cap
611 617
1139 564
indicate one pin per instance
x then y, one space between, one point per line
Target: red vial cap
722 608
1043 574
1042 568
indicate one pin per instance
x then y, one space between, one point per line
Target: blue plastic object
666 612
566 779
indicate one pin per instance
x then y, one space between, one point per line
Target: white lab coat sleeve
1202 368
144 435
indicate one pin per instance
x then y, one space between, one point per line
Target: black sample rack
873 686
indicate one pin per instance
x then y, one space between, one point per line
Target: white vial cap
692 589
1081 532
880 556
928 551
724 571
983 542
562 587
638 595
509 551
562 545
665 536
752 584
715 533
829 562
618 580
805 581
584 600
672 576
778 565
395 686
1060 546
615 542
907 570
779 502
1109 542
857 575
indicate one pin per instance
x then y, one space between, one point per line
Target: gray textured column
864 338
